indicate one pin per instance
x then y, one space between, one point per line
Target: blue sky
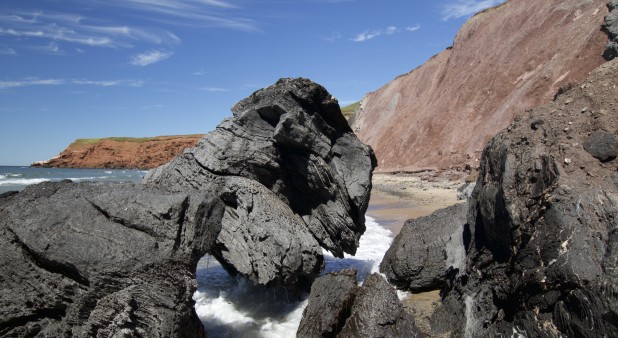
80 69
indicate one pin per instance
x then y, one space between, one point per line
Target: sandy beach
396 198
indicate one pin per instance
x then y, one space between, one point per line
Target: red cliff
503 61
121 152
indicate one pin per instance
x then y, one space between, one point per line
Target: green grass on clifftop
91 141
349 110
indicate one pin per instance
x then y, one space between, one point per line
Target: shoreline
395 198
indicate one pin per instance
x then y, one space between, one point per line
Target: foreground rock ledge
542 255
261 193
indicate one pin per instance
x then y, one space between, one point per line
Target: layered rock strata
261 193
541 260
503 61
121 152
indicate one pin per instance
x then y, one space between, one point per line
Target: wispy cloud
200 72
390 30
463 8
151 57
80 30
33 81
192 13
7 51
334 36
215 89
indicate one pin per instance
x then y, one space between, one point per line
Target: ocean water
234 307
17 178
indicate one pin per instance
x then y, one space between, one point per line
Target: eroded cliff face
503 61
121 153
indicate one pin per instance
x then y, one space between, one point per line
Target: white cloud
463 8
215 89
7 51
150 57
190 13
70 28
34 81
390 30
31 82
200 72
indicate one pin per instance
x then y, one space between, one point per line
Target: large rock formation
541 260
503 61
121 152
110 259
426 249
291 139
88 260
338 308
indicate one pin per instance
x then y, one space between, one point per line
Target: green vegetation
349 110
90 141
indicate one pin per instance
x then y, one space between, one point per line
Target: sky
74 69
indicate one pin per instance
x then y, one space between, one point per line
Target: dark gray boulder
541 260
102 260
602 145
261 194
377 312
427 249
290 143
330 303
339 308
610 26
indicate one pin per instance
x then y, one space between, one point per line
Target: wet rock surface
426 249
541 260
339 308
261 194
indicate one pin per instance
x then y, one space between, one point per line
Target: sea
16 178
228 306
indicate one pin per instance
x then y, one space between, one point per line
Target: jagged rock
422 254
291 139
542 256
465 191
102 259
261 193
339 308
330 303
610 26
377 312
602 146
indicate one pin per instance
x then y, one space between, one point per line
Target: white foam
234 307
2 177
23 181
372 246
107 172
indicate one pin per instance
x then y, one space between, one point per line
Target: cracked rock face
261 193
426 249
102 259
339 308
290 142
543 219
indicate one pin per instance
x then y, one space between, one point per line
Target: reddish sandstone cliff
503 61
116 152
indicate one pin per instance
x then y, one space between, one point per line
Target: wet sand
397 198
